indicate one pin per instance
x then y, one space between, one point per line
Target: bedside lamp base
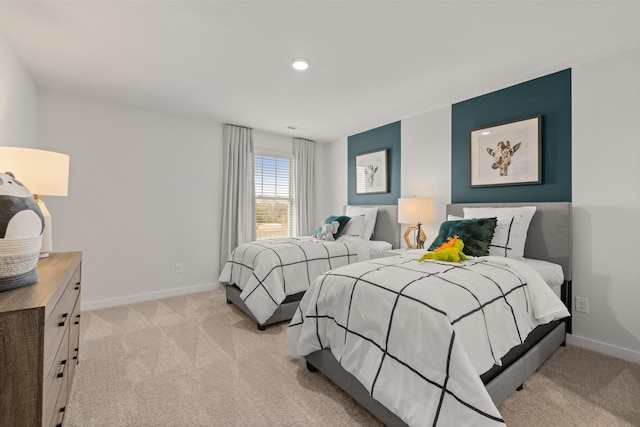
421 237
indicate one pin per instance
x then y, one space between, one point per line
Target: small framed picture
371 172
506 154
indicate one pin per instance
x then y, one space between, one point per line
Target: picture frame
508 153
371 172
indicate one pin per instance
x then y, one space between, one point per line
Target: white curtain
303 151
238 200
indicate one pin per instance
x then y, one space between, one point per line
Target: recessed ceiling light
485 133
300 64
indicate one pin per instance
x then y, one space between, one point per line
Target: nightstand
394 252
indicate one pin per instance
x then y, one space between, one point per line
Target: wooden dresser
39 332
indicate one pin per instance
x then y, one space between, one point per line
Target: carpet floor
194 360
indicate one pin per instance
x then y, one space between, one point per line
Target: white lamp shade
45 173
415 210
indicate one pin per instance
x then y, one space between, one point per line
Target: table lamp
44 173
416 211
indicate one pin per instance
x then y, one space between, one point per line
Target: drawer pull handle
61 374
64 319
61 411
77 322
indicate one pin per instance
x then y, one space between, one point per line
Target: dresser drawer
36 353
74 341
56 378
60 408
60 318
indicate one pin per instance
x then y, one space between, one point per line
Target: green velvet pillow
475 233
342 220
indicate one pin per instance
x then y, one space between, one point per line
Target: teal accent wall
549 96
388 137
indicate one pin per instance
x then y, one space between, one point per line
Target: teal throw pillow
475 233
342 220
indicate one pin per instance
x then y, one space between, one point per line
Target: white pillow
511 230
355 226
370 215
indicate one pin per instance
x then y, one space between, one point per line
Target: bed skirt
500 386
283 313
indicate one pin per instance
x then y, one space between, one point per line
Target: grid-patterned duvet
417 335
269 270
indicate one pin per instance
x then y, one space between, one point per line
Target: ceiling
372 63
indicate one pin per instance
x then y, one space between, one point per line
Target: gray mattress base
499 388
283 313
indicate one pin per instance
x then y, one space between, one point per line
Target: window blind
275 197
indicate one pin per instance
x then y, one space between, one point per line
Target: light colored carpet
196 361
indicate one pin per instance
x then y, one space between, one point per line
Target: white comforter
269 270
417 335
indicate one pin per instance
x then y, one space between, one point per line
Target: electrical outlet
179 268
582 305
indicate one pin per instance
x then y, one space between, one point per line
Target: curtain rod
238 126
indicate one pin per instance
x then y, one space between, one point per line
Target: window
275 197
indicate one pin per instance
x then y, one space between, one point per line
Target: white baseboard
600 347
131 299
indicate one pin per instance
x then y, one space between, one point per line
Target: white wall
331 179
606 202
144 194
272 143
426 164
425 160
18 101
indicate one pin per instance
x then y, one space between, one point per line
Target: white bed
267 278
414 342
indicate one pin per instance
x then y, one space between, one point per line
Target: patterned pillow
517 228
504 242
475 233
370 215
355 226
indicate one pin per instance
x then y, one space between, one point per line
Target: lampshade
415 210
43 172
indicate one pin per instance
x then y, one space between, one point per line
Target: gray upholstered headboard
387 227
549 237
